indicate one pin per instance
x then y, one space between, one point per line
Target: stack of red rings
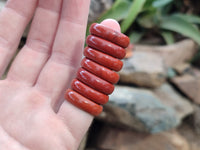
95 78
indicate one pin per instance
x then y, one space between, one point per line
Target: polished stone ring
95 79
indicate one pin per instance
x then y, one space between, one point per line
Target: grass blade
161 3
118 11
189 18
181 26
168 37
134 10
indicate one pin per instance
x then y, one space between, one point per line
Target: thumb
74 118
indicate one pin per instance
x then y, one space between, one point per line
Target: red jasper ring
103 59
100 71
95 78
109 34
83 103
106 46
88 92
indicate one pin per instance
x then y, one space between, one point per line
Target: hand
33 112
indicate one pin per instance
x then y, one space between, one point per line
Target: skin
33 112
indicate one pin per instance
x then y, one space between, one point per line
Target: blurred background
155 104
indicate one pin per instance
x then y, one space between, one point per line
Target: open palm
33 113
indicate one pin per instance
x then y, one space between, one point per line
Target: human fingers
31 59
67 50
13 21
74 118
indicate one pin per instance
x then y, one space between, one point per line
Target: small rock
187 130
114 138
118 139
163 141
172 54
182 68
196 119
97 7
194 147
145 107
145 69
121 118
189 85
171 98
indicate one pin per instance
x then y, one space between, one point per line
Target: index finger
13 21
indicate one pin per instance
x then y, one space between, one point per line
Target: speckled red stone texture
95 78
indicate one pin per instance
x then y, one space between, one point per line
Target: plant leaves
179 25
118 11
161 3
188 18
135 37
147 21
148 4
134 10
168 37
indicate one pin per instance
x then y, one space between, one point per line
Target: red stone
105 46
100 71
109 34
83 103
96 77
88 92
103 59
94 82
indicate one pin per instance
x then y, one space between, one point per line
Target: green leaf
148 4
135 37
161 3
118 11
188 18
147 21
181 26
168 37
134 10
